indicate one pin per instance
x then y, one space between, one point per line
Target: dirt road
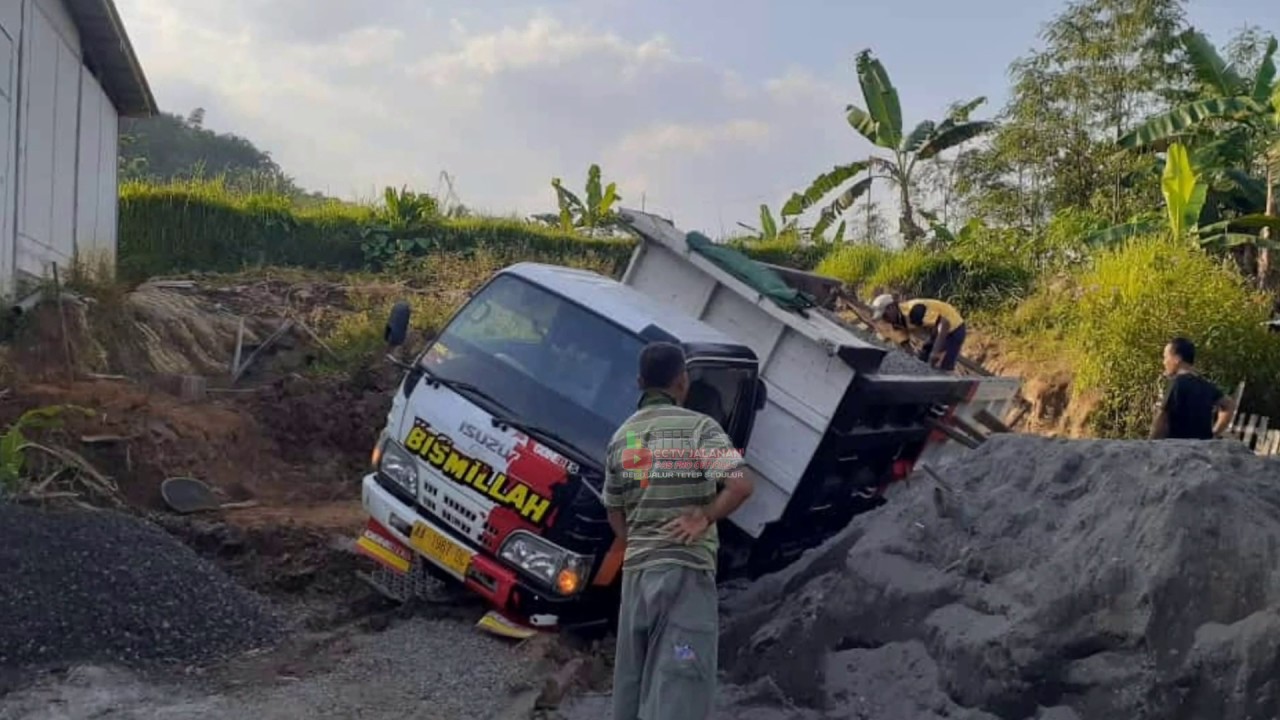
415 668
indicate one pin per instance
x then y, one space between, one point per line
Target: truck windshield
550 362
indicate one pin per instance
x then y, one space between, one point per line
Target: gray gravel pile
1048 579
101 586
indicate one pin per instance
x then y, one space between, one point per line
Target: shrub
201 225
785 250
511 240
968 282
853 264
1134 299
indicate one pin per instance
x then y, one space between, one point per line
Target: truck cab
491 464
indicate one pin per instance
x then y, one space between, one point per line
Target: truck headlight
550 564
398 466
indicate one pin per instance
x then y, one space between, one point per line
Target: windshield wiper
564 446
464 388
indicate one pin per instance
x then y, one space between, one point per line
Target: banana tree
404 208
880 122
1185 189
769 229
1235 127
594 214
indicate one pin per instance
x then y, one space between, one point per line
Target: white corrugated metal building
67 74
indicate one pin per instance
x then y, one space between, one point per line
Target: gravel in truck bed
896 361
85 585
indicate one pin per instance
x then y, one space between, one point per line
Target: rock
1081 579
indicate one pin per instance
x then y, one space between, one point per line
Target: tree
1234 124
1105 65
405 209
769 229
869 225
881 123
593 215
171 147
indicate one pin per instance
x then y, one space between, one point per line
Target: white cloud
349 105
694 139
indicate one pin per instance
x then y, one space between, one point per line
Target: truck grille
444 503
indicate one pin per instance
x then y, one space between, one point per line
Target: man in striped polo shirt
671 474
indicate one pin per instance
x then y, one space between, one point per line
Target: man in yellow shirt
941 325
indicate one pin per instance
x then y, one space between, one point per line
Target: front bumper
388 539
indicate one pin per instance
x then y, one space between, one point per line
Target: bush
853 264
1134 299
970 283
201 225
785 250
510 240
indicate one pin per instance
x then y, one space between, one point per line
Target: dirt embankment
1049 407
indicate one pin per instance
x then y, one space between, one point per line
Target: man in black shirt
1190 401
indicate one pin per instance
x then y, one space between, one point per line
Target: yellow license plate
440 548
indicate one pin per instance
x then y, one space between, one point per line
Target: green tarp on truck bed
762 279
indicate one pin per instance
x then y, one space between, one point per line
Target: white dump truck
490 467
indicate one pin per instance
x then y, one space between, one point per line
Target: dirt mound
183 327
1049 578
325 421
102 586
140 437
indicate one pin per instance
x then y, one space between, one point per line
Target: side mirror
762 394
397 325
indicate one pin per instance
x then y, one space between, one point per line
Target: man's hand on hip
689 527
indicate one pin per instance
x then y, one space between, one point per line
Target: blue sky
703 109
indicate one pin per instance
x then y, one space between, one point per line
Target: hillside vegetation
1124 194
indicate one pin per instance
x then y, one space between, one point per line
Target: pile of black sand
1049 579
86 586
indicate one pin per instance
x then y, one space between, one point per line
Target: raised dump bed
844 415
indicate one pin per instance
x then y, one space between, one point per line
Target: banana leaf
841 204
1224 241
822 186
1247 222
918 136
1209 67
862 121
882 101
1119 233
1182 120
1266 74
768 228
953 137
1184 192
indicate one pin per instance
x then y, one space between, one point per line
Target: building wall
10 32
63 202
